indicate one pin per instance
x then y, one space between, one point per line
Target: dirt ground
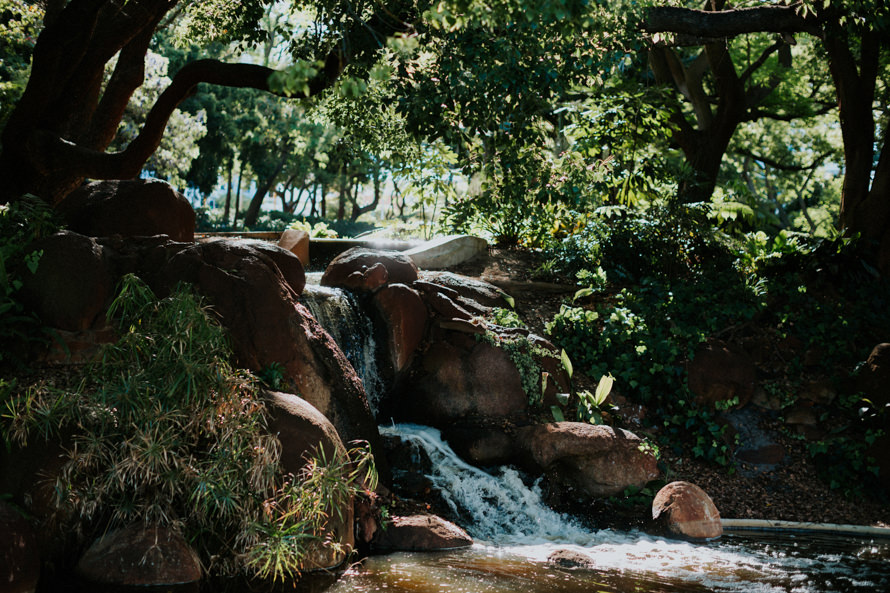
790 490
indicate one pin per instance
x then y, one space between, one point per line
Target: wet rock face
131 208
596 461
459 378
421 533
684 510
720 372
138 556
405 316
364 270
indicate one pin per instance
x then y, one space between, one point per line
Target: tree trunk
228 191
253 210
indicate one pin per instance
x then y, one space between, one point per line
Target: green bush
166 432
21 223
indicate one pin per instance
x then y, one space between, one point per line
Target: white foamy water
339 314
516 532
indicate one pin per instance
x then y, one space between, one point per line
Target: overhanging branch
59 153
729 23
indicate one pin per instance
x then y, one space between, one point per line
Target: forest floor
791 490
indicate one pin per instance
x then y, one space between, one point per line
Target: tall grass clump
163 431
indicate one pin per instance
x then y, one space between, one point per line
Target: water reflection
786 564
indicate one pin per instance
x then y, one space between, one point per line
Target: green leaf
584 292
557 414
563 398
566 363
603 389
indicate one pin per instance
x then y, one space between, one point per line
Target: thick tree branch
817 162
729 23
59 153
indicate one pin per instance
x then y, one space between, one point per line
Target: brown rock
297 242
267 325
288 264
685 510
472 289
481 446
405 317
132 208
720 372
19 553
304 432
421 533
73 282
570 559
599 461
138 556
357 269
459 377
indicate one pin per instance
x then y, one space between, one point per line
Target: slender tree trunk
238 193
228 191
256 202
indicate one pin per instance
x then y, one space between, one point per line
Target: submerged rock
684 510
570 559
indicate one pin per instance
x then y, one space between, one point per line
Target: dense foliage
163 431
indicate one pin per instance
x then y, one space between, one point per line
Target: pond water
516 532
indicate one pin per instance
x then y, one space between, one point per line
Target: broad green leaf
603 389
557 414
567 363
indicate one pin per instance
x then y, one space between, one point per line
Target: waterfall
508 519
339 314
497 507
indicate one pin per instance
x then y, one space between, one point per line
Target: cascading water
516 533
339 314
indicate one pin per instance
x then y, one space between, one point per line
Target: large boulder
305 433
139 556
421 533
364 270
19 554
720 372
73 282
460 378
268 326
684 510
596 461
132 208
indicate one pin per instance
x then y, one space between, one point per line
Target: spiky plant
166 432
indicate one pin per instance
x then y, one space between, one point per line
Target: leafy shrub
21 223
166 432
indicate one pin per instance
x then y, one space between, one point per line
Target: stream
515 533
